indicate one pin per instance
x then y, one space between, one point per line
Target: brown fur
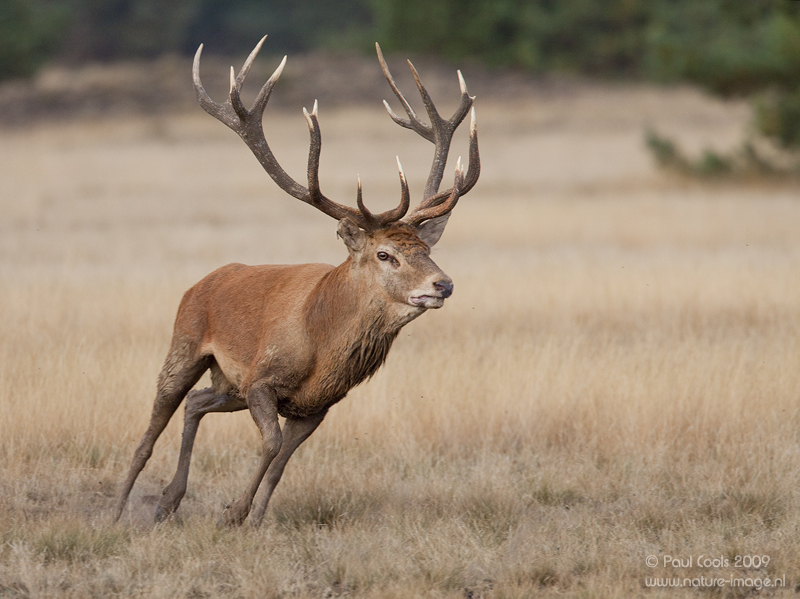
288 340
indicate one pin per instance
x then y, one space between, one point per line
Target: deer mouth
426 301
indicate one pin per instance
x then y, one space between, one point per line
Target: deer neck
351 327
344 306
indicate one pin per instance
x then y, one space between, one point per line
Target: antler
437 204
248 125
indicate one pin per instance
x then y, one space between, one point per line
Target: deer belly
227 374
302 407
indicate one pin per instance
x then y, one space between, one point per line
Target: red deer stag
293 340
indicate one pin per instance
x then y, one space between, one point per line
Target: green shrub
730 47
597 36
29 32
778 117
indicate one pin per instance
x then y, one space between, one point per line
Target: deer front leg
295 431
263 405
198 404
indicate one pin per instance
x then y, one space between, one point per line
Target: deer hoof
169 502
233 515
164 511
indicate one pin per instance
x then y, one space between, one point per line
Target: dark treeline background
732 47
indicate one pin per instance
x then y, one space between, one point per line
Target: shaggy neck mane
351 329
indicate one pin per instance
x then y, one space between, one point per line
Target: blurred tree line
732 47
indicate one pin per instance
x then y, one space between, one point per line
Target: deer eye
383 256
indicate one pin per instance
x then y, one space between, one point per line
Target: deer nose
445 287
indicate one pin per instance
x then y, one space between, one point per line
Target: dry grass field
617 375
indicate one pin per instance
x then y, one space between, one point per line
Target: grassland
616 376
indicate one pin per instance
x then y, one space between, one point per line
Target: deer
293 340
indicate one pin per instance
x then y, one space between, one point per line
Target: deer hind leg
263 405
295 431
181 371
198 404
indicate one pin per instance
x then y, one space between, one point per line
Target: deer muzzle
442 289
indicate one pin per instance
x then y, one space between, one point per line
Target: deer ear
354 238
431 230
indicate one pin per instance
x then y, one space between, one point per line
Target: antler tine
398 213
461 111
421 215
413 122
314 148
235 99
473 170
466 101
390 216
206 103
249 63
370 218
262 98
238 81
316 199
405 202
260 103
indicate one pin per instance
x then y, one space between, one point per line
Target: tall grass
615 377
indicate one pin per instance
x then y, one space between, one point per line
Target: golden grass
615 377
